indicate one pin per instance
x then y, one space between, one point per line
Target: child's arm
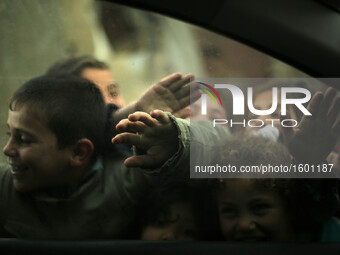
316 135
166 141
171 94
154 136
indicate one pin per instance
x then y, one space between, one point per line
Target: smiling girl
269 209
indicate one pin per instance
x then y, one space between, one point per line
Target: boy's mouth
18 170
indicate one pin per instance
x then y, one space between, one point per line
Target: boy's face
249 214
179 226
32 151
105 82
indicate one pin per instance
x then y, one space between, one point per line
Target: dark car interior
304 34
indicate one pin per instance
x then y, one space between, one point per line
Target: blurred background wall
141 47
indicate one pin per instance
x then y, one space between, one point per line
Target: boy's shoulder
4 166
6 187
6 179
6 183
5 174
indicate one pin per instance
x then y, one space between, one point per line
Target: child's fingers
182 92
121 126
287 132
127 138
187 90
189 99
161 116
314 105
180 83
170 79
326 102
142 161
195 94
336 128
143 117
334 112
183 113
129 126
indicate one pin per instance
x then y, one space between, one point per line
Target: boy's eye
19 138
23 139
113 94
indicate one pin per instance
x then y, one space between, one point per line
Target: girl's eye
260 209
228 211
160 223
191 233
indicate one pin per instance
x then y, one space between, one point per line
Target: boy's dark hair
73 107
75 66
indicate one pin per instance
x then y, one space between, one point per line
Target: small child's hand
154 135
171 94
334 158
316 135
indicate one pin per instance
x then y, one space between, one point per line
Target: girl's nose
246 224
168 235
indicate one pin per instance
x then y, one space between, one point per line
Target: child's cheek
30 156
150 233
226 228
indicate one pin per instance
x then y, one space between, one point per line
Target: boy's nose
9 150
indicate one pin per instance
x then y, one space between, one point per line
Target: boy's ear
82 152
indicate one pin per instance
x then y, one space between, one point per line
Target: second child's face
105 82
32 152
181 227
248 214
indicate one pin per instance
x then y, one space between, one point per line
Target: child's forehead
34 108
225 183
28 113
247 191
246 184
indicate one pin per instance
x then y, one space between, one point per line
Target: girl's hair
308 201
154 209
